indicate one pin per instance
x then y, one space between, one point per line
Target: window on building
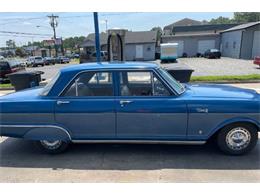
226 45
234 44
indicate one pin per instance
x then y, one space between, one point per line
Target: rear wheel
52 147
237 139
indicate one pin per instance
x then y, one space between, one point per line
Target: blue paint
174 117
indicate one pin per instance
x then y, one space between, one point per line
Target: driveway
223 66
22 162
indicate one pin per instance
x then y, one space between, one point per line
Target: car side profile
130 103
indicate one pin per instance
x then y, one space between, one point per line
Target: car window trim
82 72
116 80
154 73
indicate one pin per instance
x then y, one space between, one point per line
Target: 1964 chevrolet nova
130 103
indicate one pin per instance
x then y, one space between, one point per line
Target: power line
22 20
25 36
24 33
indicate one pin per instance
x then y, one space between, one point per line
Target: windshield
177 86
48 87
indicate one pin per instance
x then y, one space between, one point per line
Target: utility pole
106 24
54 24
95 14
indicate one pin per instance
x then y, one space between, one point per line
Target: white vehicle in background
2 57
35 61
169 52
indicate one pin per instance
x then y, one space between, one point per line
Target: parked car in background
2 57
49 61
212 53
257 60
103 55
130 103
8 67
62 60
92 57
35 61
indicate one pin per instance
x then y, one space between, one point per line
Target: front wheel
52 147
237 139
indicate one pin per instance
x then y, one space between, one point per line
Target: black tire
222 138
60 147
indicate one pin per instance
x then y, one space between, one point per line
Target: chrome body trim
40 126
141 142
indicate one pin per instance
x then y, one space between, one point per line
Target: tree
73 42
239 17
221 20
159 33
10 44
19 52
243 17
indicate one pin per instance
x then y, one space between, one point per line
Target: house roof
191 35
242 26
205 27
130 37
183 22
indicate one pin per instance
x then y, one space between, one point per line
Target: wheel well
244 122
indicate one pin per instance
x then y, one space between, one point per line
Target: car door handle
124 102
62 102
202 110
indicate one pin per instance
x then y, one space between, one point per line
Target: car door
87 106
147 109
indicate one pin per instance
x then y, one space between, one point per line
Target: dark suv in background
212 53
8 67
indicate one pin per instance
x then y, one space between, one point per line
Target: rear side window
91 84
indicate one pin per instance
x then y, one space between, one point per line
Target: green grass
7 85
225 78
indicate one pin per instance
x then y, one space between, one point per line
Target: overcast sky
81 24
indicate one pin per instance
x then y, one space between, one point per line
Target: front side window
141 83
91 84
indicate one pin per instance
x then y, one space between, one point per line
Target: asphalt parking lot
21 162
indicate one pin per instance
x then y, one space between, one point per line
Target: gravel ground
201 66
223 66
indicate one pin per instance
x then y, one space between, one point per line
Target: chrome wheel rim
51 145
238 138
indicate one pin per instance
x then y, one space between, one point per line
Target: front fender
234 120
50 133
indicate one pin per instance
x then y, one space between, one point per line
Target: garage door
204 45
180 47
256 44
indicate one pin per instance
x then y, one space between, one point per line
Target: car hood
221 91
27 94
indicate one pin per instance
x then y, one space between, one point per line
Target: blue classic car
130 103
